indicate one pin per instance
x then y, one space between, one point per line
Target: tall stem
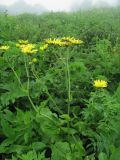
27 73
28 84
68 83
29 98
47 92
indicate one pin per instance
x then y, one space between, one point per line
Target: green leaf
7 129
13 91
38 146
4 146
78 149
32 155
71 131
102 156
65 117
27 136
18 149
60 150
48 123
27 118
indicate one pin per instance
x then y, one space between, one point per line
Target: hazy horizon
40 6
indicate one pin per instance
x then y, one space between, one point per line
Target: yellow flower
75 41
21 43
58 42
4 48
45 46
34 60
72 40
65 41
28 49
66 38
49 41
100 84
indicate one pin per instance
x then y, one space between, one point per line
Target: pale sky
58 5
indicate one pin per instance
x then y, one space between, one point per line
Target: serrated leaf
7 129
38 146
13 91
59 150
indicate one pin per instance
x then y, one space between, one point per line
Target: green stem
28 84
16 76
27 72
69 95
34 72
19 81
30 100
68 83
47 92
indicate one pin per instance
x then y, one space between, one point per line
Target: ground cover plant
60 86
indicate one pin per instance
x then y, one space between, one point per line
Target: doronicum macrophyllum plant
55 99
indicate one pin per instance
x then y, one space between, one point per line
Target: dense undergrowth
50 107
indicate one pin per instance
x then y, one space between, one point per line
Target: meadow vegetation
60 86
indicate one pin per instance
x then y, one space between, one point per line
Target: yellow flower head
100 84
28 49
34 60
65 41
58 42
4 48
44 47
66 38
76 41
52 41
72 40
49 41
21 43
